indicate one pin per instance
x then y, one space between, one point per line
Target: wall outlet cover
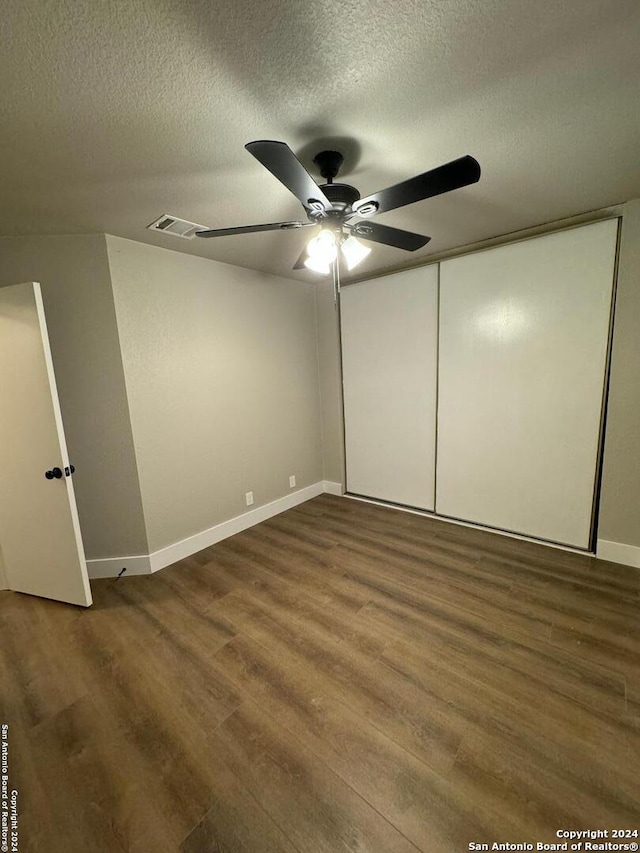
249 498
292 481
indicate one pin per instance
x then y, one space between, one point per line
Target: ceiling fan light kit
323 248
316 265
322 251
354 252
338 209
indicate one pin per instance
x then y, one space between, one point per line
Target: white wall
221 370
76 290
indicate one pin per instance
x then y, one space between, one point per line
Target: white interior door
389 363
39 531
523 347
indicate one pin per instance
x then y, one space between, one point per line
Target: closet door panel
389 359
523 346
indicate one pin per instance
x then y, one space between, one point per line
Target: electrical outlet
249 498
292 481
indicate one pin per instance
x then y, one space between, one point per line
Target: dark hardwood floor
343 677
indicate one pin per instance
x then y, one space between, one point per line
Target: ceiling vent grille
178 227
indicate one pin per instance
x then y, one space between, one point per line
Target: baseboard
179 550
113 566
144 564
148 563
618 552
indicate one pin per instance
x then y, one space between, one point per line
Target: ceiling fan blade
299 264
280 160
249 229
458 173
377 233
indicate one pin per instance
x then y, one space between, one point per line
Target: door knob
54 473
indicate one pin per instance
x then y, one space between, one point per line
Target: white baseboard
193 544
112 566
148 563
618 552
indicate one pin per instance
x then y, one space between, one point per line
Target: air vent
178 227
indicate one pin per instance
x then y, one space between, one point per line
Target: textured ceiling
113 112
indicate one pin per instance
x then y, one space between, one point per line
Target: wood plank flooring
343 677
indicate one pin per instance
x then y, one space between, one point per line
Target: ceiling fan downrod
341 196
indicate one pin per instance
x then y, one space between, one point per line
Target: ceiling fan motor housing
341 196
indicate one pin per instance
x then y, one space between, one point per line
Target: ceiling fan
338 209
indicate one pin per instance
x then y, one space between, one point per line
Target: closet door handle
53 474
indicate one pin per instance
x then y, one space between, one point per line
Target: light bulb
323 248
354 252
317 265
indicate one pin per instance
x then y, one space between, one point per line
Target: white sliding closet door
523 347
389 361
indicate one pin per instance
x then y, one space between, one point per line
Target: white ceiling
113 112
